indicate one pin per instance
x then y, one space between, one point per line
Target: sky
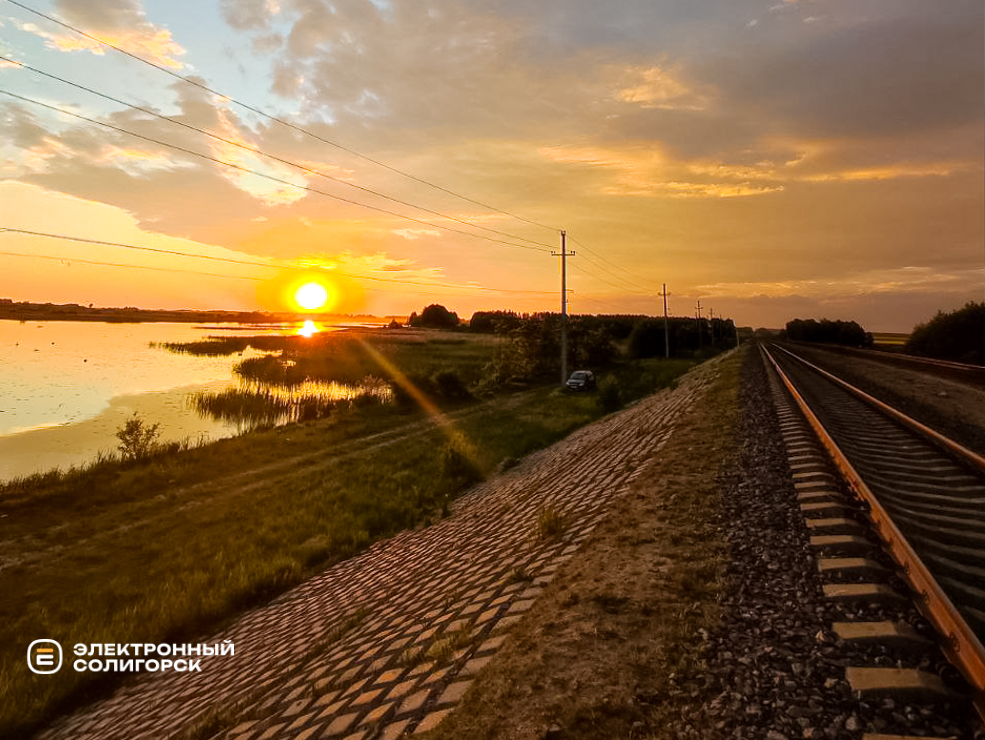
772 160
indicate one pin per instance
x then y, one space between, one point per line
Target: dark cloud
879 77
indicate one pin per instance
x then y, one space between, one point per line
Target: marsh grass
169 548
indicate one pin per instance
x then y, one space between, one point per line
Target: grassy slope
167 550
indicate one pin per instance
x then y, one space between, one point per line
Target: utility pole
564 254
711 312
664 295
697 314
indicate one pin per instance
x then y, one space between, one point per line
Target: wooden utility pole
697 314
664 295
564 254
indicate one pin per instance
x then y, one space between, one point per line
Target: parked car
581 380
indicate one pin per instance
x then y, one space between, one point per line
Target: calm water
66 387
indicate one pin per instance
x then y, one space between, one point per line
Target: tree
957 335
437 316
848 333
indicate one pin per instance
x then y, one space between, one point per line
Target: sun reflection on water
308 328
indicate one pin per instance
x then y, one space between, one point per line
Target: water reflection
65 387
308 328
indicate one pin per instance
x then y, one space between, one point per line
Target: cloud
122 24
884 75
412 234
660 87
641 172
249 15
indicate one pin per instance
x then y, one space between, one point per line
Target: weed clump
550 523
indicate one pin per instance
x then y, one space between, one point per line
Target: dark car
581 380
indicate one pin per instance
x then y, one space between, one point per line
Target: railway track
959 371
924 495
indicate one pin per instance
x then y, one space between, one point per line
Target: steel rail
961 372
971 458
960 644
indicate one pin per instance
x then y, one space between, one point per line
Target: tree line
531 346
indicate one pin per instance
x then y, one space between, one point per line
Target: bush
958 335
458 469
137 439
449 384
609 397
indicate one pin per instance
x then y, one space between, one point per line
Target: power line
635 286
604 259
595 275
597 302
255 150
153 268
281 121
263 175
265 265
134 246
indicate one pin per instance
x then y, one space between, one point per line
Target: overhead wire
272 178
266 265
625 284
608 261
255 150
276 119
585 270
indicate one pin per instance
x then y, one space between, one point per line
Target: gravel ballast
774 669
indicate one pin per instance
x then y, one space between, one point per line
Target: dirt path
388 642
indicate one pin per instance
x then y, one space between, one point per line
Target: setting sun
311 296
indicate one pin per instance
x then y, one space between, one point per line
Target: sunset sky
775 160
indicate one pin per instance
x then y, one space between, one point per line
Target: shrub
957 335
449 384
609 397
137 439
458 470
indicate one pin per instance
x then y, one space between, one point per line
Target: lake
66 387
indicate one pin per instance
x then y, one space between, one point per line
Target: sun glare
311 296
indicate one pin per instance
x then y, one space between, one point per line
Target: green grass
168 549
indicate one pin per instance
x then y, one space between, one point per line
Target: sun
311 296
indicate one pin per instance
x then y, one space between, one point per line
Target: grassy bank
167 549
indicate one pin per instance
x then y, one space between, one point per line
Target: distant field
889 339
